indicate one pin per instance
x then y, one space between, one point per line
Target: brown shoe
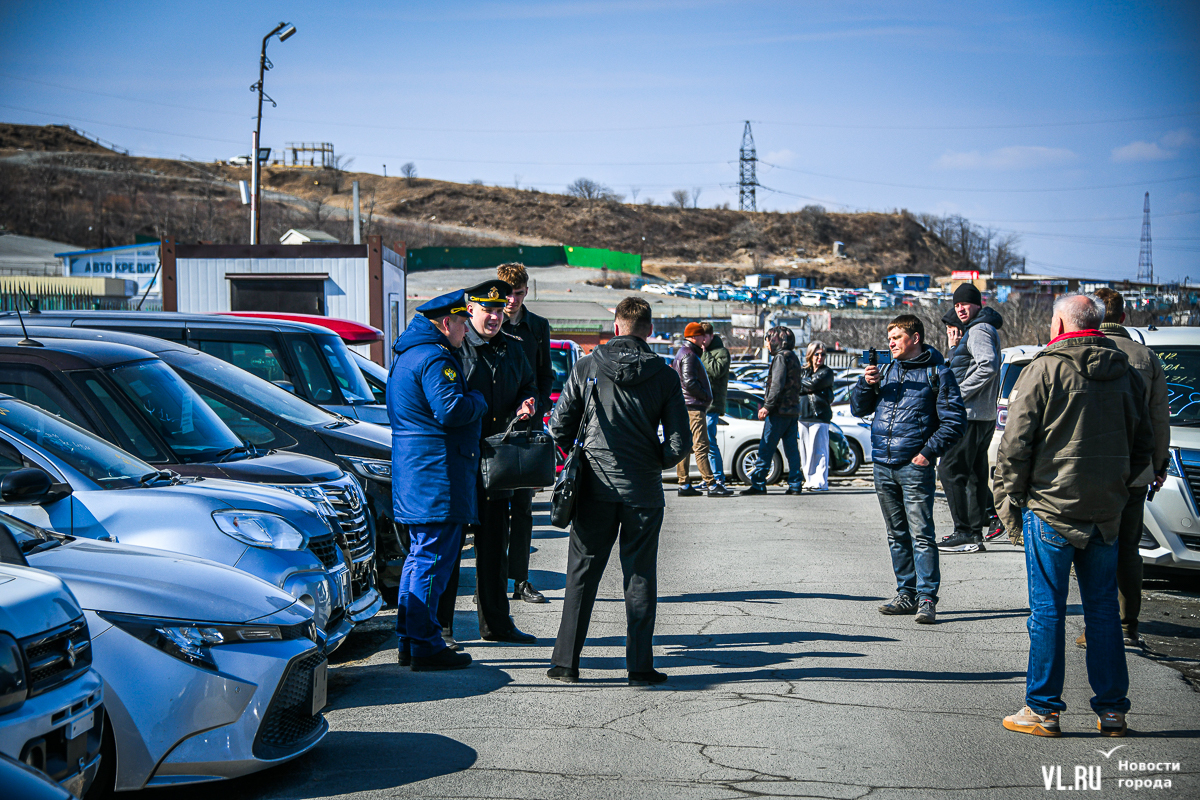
1028 721
1081 641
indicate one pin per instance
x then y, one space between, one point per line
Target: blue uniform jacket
917 409
435 430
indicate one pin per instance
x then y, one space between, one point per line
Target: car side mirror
25 487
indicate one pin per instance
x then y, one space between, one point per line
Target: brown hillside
77 191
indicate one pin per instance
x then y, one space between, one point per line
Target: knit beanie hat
693 329
968 293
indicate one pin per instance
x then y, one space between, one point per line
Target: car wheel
746 459
855 460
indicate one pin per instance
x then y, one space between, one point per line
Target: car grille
1190 541
1192 472
325 549
57 656
352 516
289 723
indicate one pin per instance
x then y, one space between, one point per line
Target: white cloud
784 157
1007 158
1167 147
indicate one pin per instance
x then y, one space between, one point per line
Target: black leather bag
517 460
566 487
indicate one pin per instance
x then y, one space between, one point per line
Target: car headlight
190 641
260 529
375 468
1174 467
13 686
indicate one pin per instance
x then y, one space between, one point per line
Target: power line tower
1145 259
747 179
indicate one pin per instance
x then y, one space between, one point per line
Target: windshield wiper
158 475
38 545
229 451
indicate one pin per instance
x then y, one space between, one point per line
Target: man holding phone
918 415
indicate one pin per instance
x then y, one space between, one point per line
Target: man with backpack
918 416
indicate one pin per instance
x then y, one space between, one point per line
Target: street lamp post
285 31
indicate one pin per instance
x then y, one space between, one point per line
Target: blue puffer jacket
435 430
917 409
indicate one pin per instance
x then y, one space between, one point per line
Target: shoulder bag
566 487
517 460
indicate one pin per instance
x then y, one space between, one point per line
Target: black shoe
448 638
405 653
926 612
444 659
511 636
719 490
564 674
901 604
524 591
995 530
962 543
689 491
794 491
754 490
646 678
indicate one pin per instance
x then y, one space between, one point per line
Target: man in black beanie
975 361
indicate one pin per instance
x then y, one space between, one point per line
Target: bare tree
516 181
476 182
696 196
409 171
633 193
679 198
590 190
318 213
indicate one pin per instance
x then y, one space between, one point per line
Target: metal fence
70 301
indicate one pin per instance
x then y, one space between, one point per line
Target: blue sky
1048 119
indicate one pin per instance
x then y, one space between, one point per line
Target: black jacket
917 409
816 395
635 393
534 333
697 391
499 371
784 382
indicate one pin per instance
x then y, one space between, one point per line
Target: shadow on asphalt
950 617
391 684
345 762
771 596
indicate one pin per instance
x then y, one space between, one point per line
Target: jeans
1048 559
714 452
778 428
906 499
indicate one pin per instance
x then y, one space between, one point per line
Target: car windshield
190 428
97 459
1010 372
30 538
560 360
250 388
1182 368
350 380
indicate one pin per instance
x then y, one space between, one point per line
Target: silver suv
51 716
1171 526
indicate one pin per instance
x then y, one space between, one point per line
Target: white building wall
204 288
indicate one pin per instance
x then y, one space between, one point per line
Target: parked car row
827 297
212 534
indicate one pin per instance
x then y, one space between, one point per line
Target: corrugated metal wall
203 286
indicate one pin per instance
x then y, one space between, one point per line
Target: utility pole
747 178
285 31
1145 259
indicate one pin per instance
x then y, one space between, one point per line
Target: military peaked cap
450 303
490 294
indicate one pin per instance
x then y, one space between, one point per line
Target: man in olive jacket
1078 437
716 364
1129 560
620 484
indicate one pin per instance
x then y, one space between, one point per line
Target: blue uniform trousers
433 554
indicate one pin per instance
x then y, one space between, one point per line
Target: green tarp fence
425 258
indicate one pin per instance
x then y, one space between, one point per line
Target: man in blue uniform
435 457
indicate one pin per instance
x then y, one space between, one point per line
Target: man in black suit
620 484
533 332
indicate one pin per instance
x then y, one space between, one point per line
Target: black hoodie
636 392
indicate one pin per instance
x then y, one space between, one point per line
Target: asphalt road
785 682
